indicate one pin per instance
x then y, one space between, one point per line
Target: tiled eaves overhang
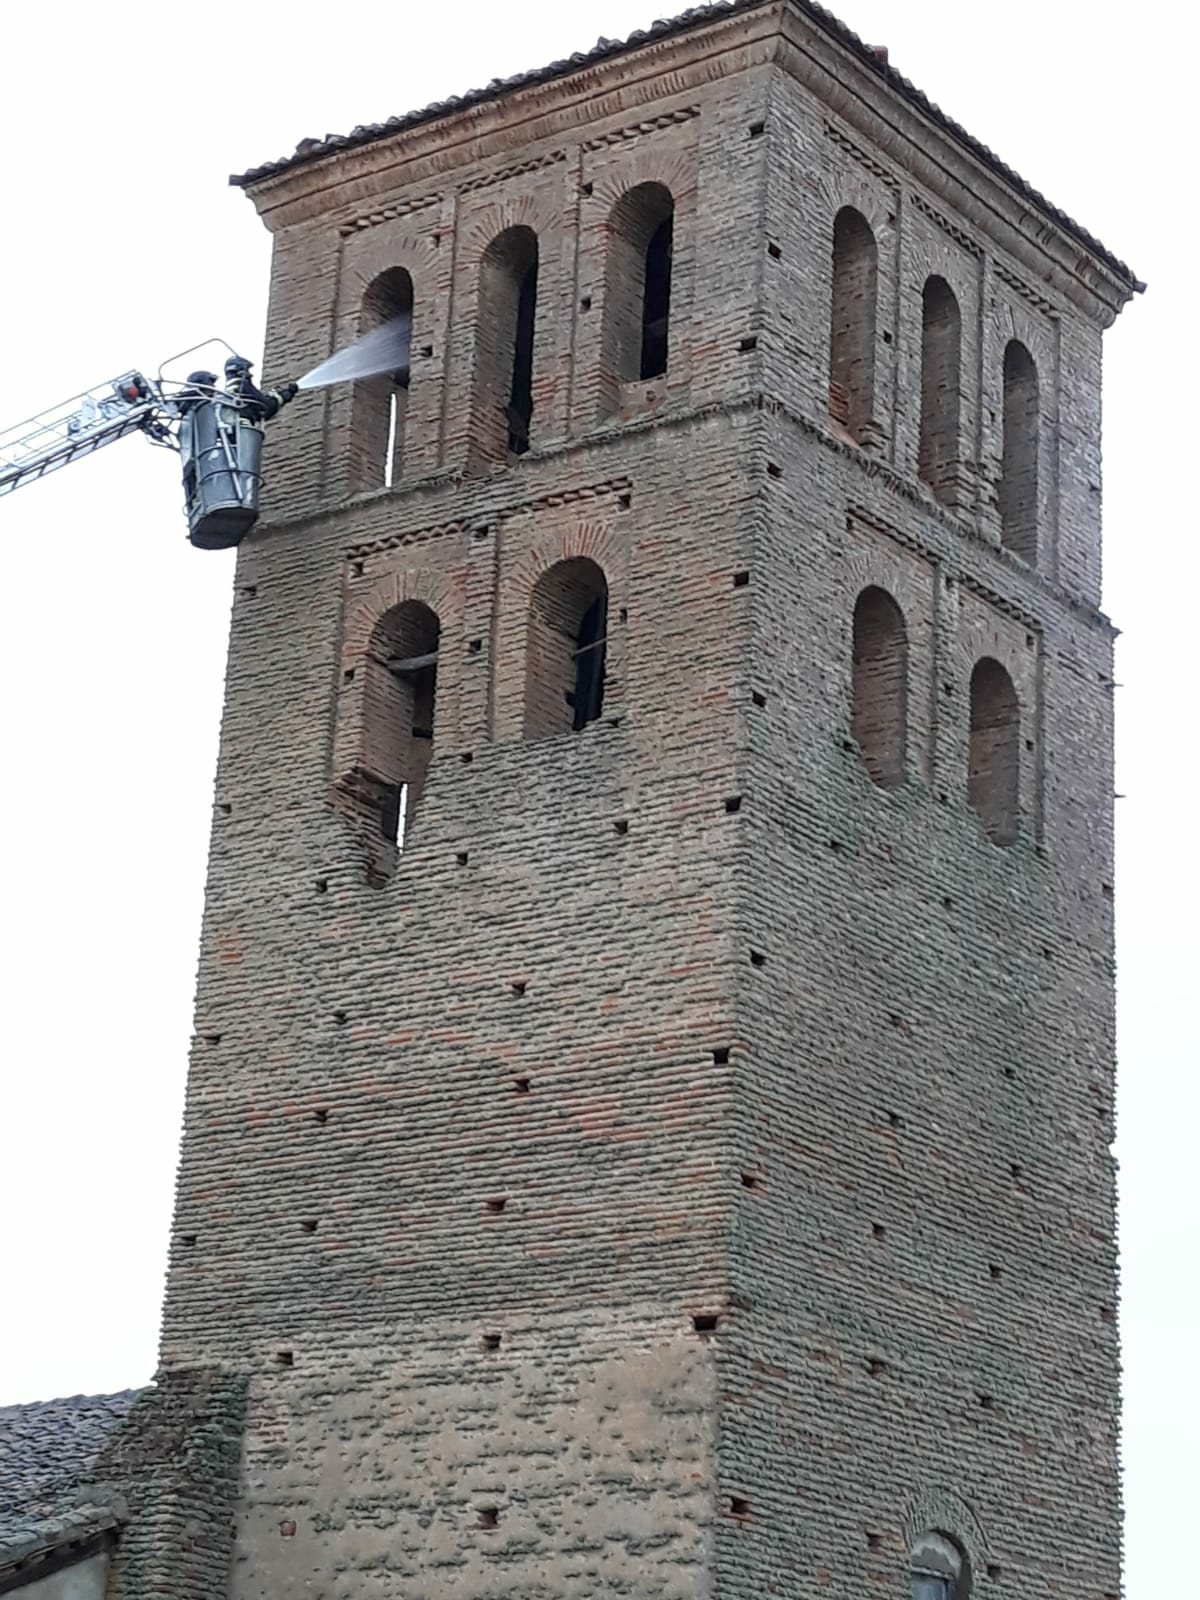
312 151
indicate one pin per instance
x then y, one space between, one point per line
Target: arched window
398 714
381 403
852 322
504 335
637 302
938 1569
941 359
880 660
994 763
564 662
1019 463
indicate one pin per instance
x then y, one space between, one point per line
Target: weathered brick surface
683 1015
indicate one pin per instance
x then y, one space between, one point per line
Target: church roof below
310 150
46 1449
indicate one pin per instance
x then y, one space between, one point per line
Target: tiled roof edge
312 150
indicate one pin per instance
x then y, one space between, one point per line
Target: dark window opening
941 398
1019 461
852 322
380 408
566 648
937 1569
656 299
880 685
505 336
993 774
520 406
637 288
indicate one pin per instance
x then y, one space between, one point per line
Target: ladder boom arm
79 427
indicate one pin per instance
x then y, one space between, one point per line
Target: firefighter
255 406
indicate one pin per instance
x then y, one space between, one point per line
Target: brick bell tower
648 1127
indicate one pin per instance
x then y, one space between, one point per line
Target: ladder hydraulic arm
217 431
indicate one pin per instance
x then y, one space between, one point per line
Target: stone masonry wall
685 1170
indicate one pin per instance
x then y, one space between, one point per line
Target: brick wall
683 1168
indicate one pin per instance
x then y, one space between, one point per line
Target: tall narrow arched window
938 1571
941 364
994 759
504 342
880 661
1019 462
565 649
398 716
380 404
852 322
637 299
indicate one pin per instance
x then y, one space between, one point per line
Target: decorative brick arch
587 539
674 169
937 1509
537 209
363 618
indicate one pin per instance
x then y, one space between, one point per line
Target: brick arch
538 212
937 1509
389 591
576 539
848 189
675 170
590 539
368 255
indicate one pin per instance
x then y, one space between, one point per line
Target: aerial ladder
216 428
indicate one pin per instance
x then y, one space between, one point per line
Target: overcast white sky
122 244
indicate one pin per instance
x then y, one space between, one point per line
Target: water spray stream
382 350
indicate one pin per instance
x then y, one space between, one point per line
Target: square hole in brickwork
309 1224
947 902
751 1180
474 646
741 579
988 1402
491 1341
463 857
878 1367
621 825
995 1272
757 129
519 987
623 614
284 1358
321 1115
733 804
341 1018
895 1120
322 885
774 470
836 846
427 352
522 1085
739 1506
878 1231
224 809
348 675
1010 1072
586 188
757 958
249 591
750 342
188 1240
586 303
758 699
887 336
774 252
489 1517
356 570
624 501
704 1323
466 758
212 1038
481 530
994 1572
497 1204
721 1056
